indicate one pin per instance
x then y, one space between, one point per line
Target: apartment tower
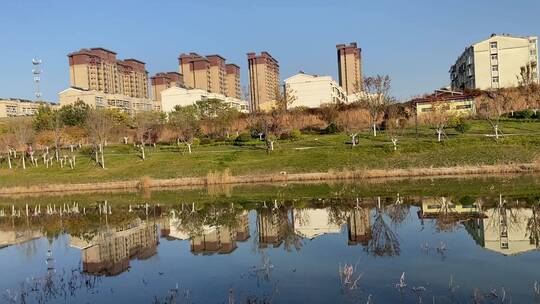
232 80
196 71
217 74
349 67
263 81
97 69
497 62
163 81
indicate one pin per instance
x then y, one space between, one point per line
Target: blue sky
413 41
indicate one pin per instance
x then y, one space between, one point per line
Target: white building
177 96
496 62
312 91
20 107
311 223
97 99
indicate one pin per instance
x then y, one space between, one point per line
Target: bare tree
375 96
528 86
352 122
438 118
23 133
493 104
147 126
99 125
185 123
285 98
396 123
7 142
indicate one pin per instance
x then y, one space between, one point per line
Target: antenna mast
37 76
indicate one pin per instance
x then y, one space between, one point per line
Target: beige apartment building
12 107
109 252
217 74
196 71
232 80
97 69
496 62
263 81
313 91
99 79
163 81
349 67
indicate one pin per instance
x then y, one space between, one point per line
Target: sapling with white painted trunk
185 123
374 95
493 104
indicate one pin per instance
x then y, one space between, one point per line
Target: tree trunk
353 141
189 148
496 127
394 142
9 160
102 159
142 152
439 135
374 129
23 161
97 157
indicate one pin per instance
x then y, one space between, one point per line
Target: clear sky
414 41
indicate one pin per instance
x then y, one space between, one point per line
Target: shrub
291 135
243 137
205 141
332 128
462 126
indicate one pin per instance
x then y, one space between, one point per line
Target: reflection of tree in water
384 242
397 211
193 220
445 220
53 287
533 225
276 225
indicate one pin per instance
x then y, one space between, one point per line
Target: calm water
325 248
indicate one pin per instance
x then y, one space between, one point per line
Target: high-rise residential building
97 69
232 80
163 81
350 67
217 74
196 71
497 62
100 80
263 81
312 91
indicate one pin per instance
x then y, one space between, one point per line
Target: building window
494 57
495 79
495 68
493 44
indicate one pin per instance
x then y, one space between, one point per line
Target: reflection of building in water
311 223
109 252
434 206
504 230
359 226
271 227
14 237
212 239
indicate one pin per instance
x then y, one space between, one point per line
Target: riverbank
310 157
225 178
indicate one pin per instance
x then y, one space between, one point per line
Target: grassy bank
310 154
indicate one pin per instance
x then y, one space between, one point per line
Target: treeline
56 136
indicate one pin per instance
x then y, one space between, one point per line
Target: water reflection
109 237
109 251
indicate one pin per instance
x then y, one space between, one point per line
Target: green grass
312 153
